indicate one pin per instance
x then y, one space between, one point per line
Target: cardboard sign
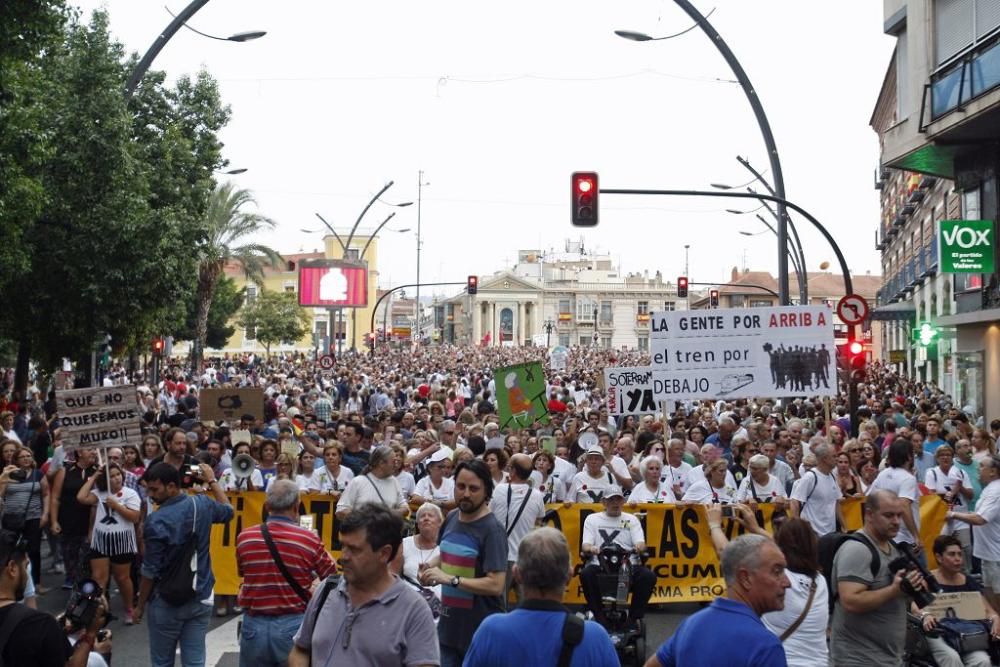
521 395
967 605
99 417
231 403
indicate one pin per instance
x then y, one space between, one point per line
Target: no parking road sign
852 309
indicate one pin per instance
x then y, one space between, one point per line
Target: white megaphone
243 466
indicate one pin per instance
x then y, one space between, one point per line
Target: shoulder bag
296 586
15 522
178 583
509 527
572 631
805 611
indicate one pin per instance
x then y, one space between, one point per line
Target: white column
520 323
477 324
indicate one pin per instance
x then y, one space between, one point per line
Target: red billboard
331 283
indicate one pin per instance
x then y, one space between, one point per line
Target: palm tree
225 226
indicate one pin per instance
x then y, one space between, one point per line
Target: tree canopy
276 317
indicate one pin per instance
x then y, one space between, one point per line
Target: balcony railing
975 73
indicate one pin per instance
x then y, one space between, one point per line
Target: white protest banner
99 417
744 352
630 390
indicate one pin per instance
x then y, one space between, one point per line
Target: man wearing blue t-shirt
754 570
532 634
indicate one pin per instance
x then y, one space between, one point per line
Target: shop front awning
901 310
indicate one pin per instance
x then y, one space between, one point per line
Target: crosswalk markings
220 641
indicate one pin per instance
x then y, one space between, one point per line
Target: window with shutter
953 27
987 17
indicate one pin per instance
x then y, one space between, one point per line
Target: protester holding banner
547 480
652 488
333 477
375 485
760 486
434 487
816 496
231 481
714 488
113 543
590 484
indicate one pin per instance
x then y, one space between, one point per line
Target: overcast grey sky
499 102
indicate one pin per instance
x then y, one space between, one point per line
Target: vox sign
966 246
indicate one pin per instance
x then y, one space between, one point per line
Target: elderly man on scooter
610 527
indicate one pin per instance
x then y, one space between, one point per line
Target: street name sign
99 417
966 246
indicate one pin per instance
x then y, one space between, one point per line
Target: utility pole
420 186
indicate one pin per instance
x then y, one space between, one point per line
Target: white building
569 298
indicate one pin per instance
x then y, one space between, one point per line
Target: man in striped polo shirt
277 578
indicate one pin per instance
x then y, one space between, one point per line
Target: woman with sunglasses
743 449
849 481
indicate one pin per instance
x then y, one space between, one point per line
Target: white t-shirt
587 489
619 466
766 493
599 529
904 484
303 481
681 475
371 489
426 489
941 482
818 495
552 489
565 471
324 481
806 647
229 481
986 538
113 534
643 494
414 557
703 493
505 505
406 483
697 474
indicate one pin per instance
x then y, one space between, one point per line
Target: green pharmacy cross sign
967 246
926 334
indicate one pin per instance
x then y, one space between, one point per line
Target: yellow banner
682 556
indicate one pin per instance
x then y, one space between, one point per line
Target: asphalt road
130 643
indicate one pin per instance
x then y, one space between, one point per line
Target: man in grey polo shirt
372 617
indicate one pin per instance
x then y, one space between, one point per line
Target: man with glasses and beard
472 565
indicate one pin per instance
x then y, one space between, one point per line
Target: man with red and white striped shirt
272 606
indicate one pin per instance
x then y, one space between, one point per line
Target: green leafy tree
276 317
226 229
226 304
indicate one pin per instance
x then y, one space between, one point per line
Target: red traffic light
682 287
855 348
584 198
472 286
713 298
157 345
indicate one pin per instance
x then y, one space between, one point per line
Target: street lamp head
721 186
246 36
234 172
634 36
735 211
746 233
402 231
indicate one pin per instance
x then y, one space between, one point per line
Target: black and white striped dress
114 535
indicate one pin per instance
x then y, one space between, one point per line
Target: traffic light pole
751 285
396 289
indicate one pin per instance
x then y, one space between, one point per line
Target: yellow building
350 325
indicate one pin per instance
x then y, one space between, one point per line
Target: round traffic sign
852 309
326 362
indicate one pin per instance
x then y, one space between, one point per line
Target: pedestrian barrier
682 556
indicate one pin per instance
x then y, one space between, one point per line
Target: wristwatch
454 582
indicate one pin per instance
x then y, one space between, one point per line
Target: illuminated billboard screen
333 284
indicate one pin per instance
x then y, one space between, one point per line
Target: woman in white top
760 486
953 485
230 482
113 542
712 489
307 463
434 487
332 478
549 483
652 489
496 461
376 485
403 476
421 547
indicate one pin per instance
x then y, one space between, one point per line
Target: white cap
613 491
595 450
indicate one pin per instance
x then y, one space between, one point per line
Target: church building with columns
574 297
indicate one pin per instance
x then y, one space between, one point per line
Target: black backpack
829 544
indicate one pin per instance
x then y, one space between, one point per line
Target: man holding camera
869 615
30 637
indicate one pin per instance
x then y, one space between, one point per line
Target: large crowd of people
409 444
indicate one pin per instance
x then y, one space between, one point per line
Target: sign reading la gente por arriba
967 246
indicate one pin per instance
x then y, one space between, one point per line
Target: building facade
570 298
938 117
